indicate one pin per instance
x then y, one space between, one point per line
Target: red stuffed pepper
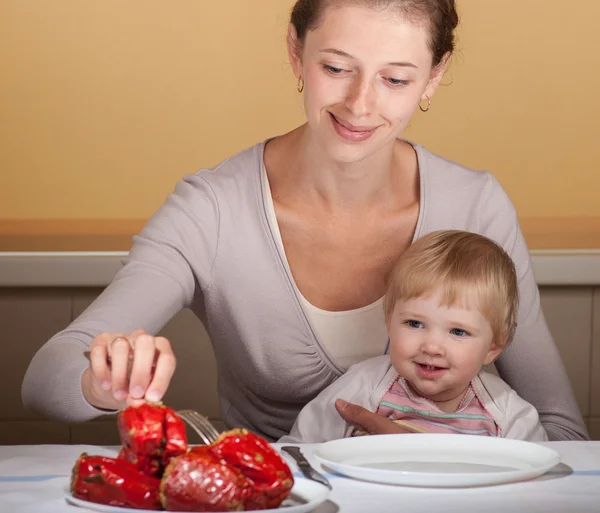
114 482
268 474
240 471
156 470
151 434
199 481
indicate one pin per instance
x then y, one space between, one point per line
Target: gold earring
300 84
428 104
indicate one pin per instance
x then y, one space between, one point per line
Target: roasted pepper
268 474
240 471
156 470
114 482
151 434
200 481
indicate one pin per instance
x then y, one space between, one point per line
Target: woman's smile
350 132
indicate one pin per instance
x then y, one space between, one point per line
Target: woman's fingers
143 362
153 367
119 351
361 417
164 370
136 333
130 401
99 361
135 367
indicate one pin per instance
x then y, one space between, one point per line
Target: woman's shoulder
235 177
207 195
459 197
442 172
244 164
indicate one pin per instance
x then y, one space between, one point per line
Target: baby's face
439 349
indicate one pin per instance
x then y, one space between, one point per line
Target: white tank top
350 336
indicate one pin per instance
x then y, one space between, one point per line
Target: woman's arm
531 365
169 261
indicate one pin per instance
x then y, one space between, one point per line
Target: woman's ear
294 48
437 74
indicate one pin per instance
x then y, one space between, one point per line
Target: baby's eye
414 324
457 332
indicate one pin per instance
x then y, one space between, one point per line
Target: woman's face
365 72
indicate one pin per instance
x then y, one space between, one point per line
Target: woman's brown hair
439 15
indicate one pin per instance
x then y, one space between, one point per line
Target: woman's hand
125 370
360 417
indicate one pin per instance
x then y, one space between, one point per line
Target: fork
201 425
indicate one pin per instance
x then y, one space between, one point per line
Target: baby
450 309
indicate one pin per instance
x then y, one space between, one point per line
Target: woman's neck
312 177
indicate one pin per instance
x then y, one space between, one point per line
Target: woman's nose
360 97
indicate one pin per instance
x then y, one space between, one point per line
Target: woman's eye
458 332
333 70
397 81
414 324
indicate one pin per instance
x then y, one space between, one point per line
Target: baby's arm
523 421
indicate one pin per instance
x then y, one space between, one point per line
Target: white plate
306 495
437 460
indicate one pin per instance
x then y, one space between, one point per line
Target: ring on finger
110 346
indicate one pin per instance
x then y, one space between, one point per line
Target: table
32 480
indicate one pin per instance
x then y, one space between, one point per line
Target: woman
283 250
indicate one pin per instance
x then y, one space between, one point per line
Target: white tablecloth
32 479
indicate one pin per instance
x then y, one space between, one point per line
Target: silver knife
304 466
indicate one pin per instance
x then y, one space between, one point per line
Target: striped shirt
417 414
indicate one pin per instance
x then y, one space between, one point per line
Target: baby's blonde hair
459 263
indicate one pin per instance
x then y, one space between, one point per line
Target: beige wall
105 104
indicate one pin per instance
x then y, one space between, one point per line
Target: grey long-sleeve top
211 248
